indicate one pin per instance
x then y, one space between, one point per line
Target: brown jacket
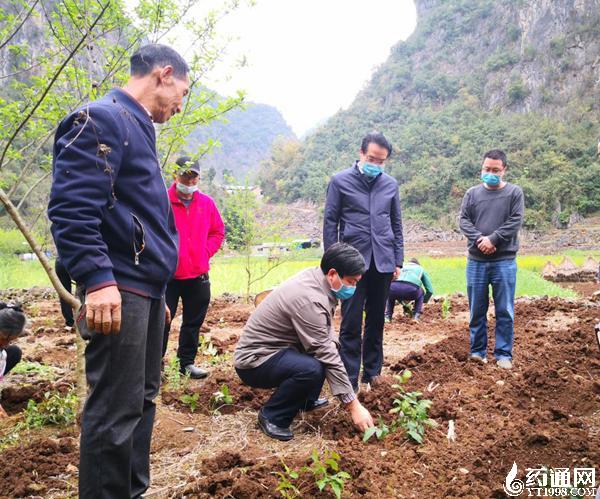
297 314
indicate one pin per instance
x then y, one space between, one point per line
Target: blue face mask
344 292
370 170
490 179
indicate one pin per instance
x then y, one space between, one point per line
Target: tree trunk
81 387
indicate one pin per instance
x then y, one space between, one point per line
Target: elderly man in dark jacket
363 209
115 233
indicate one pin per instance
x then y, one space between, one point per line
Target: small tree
80 51
244 232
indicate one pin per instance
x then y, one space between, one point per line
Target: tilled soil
543 412
546 411
40 468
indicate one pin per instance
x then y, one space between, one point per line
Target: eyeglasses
375 161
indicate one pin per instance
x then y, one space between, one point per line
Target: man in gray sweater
490 217
289 344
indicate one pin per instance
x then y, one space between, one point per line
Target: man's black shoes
194 372
313 405
274 431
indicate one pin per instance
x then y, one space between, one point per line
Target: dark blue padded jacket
111 216
366 215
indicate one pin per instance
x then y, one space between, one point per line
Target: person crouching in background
12 324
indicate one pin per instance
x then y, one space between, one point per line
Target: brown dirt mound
230 475
540 413
244 396
34 469
228 312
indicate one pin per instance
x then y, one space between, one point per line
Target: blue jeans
502 276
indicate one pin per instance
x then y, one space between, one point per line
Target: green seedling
326 472
207 348
380 431
446 306
176 382
55 409
190 400
285 485
412 411
221 398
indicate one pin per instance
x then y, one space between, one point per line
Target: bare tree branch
51 83
30 190
11 36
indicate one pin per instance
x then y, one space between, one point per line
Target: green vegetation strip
228 275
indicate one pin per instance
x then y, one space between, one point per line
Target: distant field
228 274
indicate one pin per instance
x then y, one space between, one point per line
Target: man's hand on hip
103 310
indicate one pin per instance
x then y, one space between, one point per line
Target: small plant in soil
380 431
285 485
190 400
446 306
55 409
327 473
220 398
412 411
176 382
207 348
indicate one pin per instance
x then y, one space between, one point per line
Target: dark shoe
194 372
274 431
313 405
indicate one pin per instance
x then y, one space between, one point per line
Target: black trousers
370 296
298 377
13 357
195 298
123 374
65 280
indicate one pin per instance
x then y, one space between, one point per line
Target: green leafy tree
57 56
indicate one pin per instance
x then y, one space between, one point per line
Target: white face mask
186 189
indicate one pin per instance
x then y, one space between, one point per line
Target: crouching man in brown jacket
289 344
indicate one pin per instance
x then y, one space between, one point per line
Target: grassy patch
228 274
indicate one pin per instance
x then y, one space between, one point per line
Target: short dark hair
148 57
376 138
12 320
496 154
414 260
345 259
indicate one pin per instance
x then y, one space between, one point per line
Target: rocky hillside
475 75
245 137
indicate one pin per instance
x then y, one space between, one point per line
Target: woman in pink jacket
201 233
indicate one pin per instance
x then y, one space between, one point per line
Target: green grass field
228 274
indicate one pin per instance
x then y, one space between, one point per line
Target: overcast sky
309 58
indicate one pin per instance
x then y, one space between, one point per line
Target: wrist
353 405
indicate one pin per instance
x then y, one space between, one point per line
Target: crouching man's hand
360 416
